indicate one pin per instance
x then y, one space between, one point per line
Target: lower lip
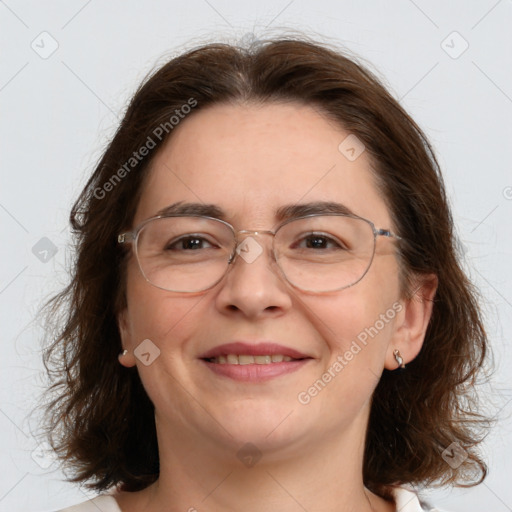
255 372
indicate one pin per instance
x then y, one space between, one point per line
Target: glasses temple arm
124 238
388 233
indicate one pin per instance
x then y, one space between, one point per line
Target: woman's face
250 161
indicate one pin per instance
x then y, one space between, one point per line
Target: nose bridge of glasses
249 233
247 247
254 232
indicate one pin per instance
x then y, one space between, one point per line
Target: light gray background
58 112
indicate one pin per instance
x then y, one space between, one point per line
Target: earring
399 359
123 353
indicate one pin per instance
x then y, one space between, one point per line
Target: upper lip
253 349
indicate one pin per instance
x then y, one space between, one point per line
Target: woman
267 311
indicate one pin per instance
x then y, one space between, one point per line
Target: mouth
241 352
253 362
242 359
255 372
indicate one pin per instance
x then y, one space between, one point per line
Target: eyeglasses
315 253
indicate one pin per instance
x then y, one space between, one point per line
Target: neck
197 473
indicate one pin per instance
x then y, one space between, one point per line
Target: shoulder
105 503
407 500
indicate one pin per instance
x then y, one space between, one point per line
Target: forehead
251 159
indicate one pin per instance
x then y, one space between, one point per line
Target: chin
262 423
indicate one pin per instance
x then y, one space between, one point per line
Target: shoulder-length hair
101 421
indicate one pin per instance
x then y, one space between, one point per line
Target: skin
251 159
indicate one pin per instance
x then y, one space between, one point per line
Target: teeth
262 359
247 359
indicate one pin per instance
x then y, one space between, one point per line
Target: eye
319 241
189 242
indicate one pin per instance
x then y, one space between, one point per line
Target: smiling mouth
243 359
254 368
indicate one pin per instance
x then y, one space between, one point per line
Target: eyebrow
180 208
291 211
282 214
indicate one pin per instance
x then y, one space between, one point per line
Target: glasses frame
132 236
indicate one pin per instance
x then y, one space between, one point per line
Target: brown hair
101 422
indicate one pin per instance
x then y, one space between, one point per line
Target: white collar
406 500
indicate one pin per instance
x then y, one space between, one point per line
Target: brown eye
189 243
318 241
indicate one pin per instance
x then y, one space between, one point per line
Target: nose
253 285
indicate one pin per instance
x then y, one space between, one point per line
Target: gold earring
399 358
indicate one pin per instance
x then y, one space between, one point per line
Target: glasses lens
325 253
184 254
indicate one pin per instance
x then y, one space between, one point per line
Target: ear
123 324
413 321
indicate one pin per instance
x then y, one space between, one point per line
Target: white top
104 502
406 501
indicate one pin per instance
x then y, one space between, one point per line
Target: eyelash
185 239
326 238
323 236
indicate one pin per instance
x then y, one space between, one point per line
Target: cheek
349 318
359 321
357 329
168 322
159 315
164 319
